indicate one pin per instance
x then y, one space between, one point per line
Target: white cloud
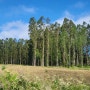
65 15
79 5
81 19
60 20
16 29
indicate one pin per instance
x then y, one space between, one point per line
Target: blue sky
15 14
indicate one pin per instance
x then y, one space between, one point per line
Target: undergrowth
9 81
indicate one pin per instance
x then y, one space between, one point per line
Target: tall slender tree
33 36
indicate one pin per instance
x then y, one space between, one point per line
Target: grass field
47 74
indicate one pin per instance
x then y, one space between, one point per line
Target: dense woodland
50 44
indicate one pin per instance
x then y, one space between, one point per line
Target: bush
3 67
10 81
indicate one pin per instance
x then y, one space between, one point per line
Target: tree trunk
77 63
87 62
63 57
57 50
20 57
73 61
34 54
47 51
42 59
64 52
81 57
11 59
69 54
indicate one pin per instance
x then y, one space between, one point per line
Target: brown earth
43 73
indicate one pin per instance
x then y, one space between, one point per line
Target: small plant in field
35 85
46 71
3 67
55 85
78 87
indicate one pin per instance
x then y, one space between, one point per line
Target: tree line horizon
50 44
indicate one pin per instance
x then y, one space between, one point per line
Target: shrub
3 67
10 81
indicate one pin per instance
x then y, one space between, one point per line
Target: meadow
19 77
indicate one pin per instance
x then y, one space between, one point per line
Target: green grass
73 67
80 68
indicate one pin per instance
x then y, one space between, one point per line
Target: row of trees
52 44
13 51
49 45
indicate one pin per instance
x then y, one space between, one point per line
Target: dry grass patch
47 73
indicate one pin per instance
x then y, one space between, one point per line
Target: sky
15 14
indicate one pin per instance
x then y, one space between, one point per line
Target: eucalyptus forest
50 44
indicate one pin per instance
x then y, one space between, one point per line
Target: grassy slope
31 72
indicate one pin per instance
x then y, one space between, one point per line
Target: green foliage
35 85
80 68
61 85
3 67
55 85
78 87
10 81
